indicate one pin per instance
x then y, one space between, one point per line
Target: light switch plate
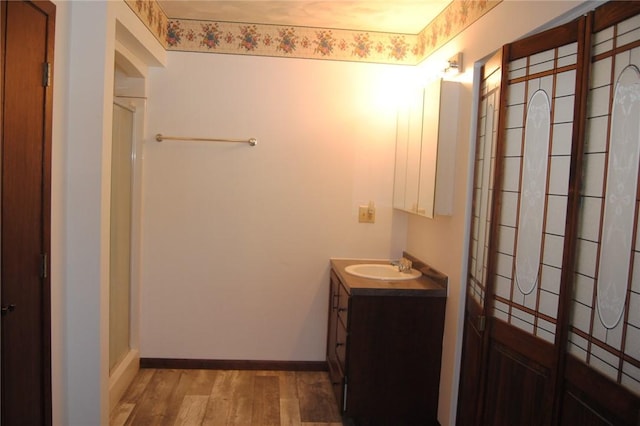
366 214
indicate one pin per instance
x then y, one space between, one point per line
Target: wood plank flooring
227 397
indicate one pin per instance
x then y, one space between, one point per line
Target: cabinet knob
338 344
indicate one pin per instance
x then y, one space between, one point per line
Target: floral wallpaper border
307 42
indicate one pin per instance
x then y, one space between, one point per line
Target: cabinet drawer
343 306
341 345
336 376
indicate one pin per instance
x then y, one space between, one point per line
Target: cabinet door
437 156
393 359
429 149
402 152
447 130
408 146
335 372
425 150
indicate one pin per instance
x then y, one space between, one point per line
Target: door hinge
46 74
481 322
43 266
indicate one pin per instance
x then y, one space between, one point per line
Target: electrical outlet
366 214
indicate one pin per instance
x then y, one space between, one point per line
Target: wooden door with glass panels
484 166
602 377
518 250
539 103
562 293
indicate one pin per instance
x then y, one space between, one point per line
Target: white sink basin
383 272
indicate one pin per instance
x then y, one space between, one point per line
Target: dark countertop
430 284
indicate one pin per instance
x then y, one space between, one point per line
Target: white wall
83 86
87 212
237 239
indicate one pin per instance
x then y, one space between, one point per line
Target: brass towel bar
250 141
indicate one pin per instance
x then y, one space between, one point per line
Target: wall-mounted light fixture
454 65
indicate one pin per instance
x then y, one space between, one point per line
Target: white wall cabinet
426 138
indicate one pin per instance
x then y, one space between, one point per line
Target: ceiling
395 16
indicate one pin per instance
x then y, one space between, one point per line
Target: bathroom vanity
384 345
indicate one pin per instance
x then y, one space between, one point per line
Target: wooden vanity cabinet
384 353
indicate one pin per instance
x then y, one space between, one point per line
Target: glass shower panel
120 249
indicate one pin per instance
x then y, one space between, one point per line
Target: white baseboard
121 377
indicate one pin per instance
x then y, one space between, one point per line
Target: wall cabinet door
408 145
425 150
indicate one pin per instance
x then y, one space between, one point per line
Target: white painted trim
464 267
122 377
137 37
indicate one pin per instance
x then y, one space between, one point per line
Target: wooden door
601 381
27 40
563 289
541 76
511 367
475 316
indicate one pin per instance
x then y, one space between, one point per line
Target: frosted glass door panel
534 186
605 313
120 250
619 201
483 186
536 160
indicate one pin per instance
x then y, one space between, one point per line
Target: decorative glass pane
484 197
619 210
534 181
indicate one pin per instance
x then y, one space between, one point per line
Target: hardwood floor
227 397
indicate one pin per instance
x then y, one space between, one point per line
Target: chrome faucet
403 264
